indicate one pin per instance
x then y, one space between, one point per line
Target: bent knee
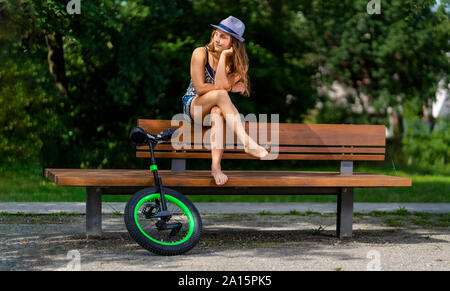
222 95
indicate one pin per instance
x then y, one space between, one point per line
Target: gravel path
227 207
230 242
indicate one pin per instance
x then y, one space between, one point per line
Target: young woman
216 69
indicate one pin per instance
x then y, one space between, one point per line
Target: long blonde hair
238 62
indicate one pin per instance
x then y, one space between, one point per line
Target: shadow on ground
43 243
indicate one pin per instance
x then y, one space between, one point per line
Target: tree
396 58
121 60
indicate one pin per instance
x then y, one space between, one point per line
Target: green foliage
428 150
130 60
125 60
28 98
391 58
27 112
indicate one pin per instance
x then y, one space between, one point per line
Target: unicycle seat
140 136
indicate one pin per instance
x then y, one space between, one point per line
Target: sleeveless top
209 76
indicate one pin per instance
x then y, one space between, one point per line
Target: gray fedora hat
233 26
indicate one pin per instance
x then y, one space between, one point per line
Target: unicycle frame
147 216
158 182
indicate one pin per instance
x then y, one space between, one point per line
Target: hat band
227 29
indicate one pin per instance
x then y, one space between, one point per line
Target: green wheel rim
174 201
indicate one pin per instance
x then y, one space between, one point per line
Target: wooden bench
340 142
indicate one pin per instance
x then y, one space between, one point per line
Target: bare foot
256 151
219 176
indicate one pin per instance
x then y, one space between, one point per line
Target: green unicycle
160 219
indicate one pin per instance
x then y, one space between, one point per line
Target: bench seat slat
203 178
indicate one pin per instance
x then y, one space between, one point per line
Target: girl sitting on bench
219 67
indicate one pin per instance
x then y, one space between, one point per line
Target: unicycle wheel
163 235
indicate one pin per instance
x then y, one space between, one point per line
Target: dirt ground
231 243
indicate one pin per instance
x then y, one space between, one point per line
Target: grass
27 184
318 230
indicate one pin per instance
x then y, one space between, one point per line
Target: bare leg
217 145
221 99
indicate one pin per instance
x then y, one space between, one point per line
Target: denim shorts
187 100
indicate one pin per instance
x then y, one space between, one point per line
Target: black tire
192 228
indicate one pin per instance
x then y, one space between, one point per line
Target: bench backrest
340 142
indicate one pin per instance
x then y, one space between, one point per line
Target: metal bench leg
93 212
178 165
344 213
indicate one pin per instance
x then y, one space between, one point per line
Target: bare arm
198 62
221 78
